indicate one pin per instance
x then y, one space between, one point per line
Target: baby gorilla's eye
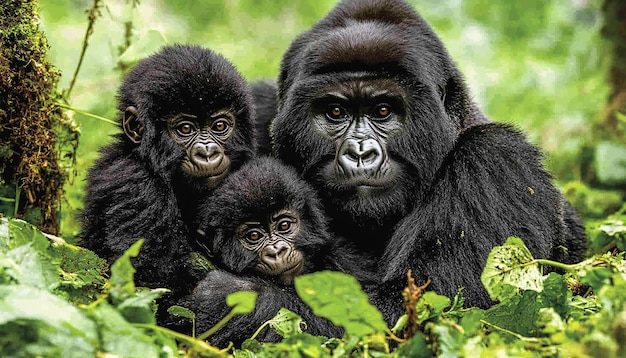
254 236
220 126
335 112
284 225
185 128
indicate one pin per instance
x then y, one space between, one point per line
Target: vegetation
552 68
57 299
34 130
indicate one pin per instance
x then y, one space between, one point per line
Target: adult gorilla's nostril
360 157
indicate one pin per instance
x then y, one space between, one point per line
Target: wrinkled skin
187 116
273 241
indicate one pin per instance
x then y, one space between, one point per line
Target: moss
32 128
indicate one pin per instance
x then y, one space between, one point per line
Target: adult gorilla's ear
133 127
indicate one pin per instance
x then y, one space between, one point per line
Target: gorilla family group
366 156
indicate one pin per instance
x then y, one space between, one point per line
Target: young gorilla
186 117
265 226
377 117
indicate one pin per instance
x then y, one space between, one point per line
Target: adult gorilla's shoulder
375 114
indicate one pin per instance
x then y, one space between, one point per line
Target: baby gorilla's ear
133 127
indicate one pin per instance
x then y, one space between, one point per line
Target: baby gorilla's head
264 221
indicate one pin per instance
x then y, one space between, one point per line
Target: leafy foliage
57 299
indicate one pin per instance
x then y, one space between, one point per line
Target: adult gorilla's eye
185 129
254 236
382 111
284 225
335 112
220 126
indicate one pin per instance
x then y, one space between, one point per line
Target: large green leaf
34 322
339 298
508 269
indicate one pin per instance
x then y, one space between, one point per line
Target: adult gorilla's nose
360 156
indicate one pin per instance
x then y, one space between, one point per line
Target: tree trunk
33 130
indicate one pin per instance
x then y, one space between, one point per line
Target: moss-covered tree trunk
31 178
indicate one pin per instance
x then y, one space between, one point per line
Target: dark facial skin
359 117
274 244
203 140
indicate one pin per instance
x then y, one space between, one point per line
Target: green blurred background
542 65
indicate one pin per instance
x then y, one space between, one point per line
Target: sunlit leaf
286 323
339 298
33 322
509 269
242 302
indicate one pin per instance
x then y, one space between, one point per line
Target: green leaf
148 43
122 275
517 313
286 323
509 268
82 273
33 322
139 308
339 298
616 230
242 302
471 321
431 305
15 233
180 311
416 347
26 266
119 337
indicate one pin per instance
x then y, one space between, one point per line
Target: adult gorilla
374 113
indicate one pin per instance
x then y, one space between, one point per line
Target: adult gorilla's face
345 135
359 117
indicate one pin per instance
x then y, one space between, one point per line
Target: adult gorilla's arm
208 301
491 186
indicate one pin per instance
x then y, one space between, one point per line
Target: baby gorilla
263 227
185 115
266 221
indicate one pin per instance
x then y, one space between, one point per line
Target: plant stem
182 337
93 14
62 105
217 326
516 335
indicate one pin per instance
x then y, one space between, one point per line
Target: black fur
264 93
464 183
138 191
260 187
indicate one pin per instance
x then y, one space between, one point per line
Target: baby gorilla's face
273 241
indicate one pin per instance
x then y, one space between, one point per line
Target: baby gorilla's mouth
290 273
